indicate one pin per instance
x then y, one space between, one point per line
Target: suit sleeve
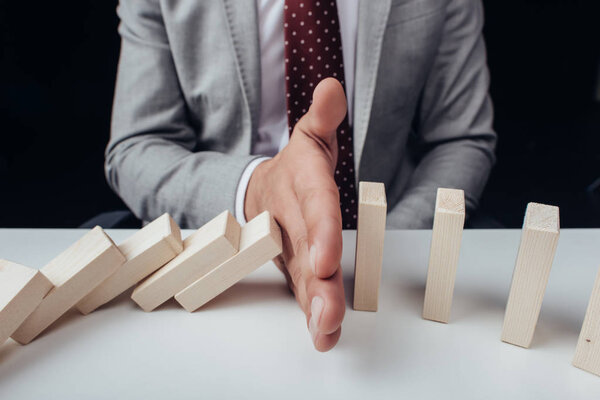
153 160
456 140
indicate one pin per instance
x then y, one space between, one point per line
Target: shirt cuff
240 196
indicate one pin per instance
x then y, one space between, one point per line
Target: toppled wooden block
74 273
448 223
21 291
530 277
203 250
146 251
260 242
372 210
587 354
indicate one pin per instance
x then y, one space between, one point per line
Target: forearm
462 164
154 176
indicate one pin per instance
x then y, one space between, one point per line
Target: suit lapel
242 21
372 20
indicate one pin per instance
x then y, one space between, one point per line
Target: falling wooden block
203 250
260 242
587 354
372 209
146 251
448 223
530 277
74 273
21 291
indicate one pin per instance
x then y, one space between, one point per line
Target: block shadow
7 349
248 293
66 319
367 338
553 326
469 303
38 348
242 293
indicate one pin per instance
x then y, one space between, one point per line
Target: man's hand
298 188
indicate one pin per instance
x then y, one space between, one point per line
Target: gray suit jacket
187 105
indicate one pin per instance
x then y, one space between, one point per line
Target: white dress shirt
273 125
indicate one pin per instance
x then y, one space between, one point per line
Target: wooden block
587 354
74 273
203 250
260 242
21 291
539 239
146 251
448 223
372 209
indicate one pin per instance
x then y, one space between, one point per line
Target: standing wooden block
74 273
530 277
260 242
146 251
448 223
21 291
587 354
372 209
203 250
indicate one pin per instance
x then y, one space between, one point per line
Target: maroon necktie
313 52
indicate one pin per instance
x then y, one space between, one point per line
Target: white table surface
252 342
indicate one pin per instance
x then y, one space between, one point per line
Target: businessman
284 105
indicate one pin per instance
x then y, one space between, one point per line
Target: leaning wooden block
587 354
260 242
203 250
372 209
448 223
74 273
146 251
21 291
530 277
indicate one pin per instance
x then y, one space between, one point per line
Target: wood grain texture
146 251
260 242
21 291
74 273
539 239
203 250
370 234
587 353
448 223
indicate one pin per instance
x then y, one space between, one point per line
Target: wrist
240 197
253 204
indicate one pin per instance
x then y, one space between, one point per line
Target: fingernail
316 308
312 328
313 259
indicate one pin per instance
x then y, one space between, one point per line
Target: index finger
320 205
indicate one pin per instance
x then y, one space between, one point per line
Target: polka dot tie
313 51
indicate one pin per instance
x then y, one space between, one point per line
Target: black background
58 63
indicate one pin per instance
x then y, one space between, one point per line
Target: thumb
326 113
